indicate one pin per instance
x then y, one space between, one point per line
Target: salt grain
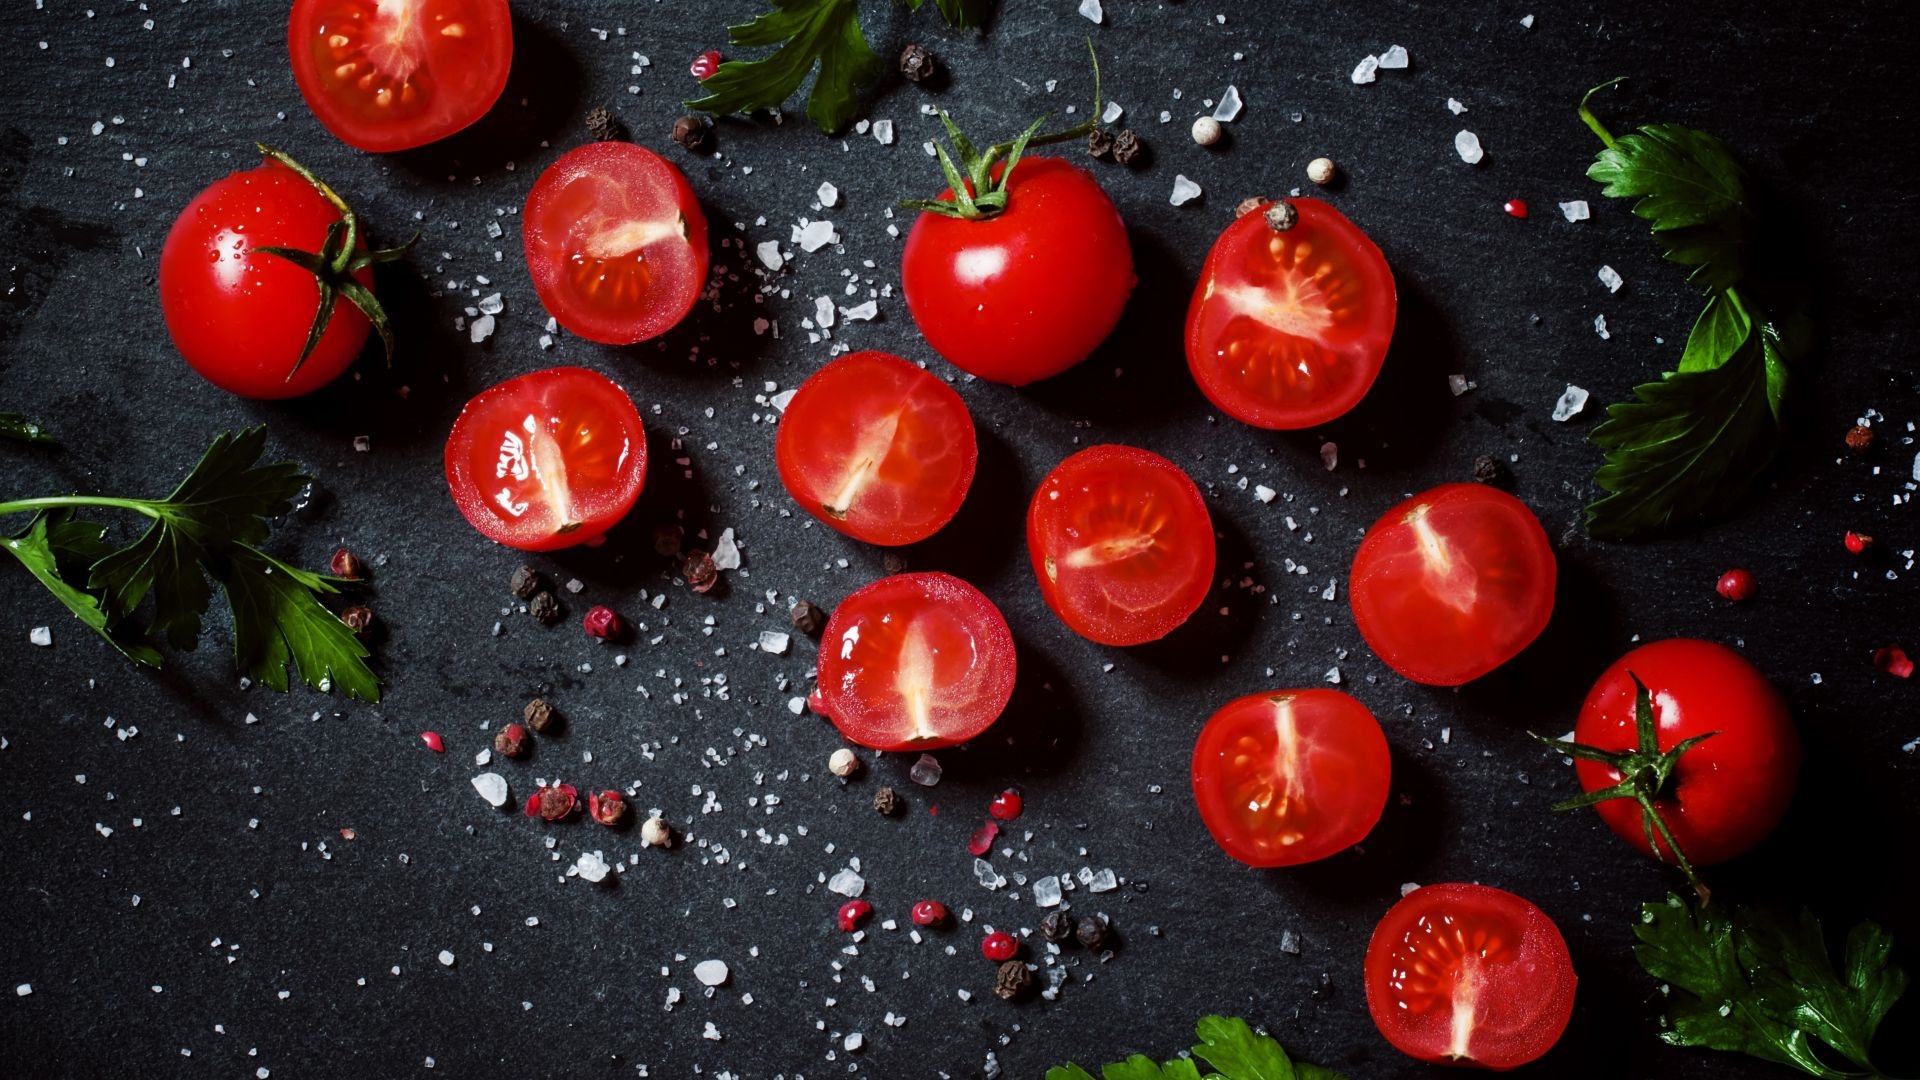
1575 210
592 866
829 195
1092 10
1184 191
1570 403
41 636
1600 327
1611 279
1394 59
711 972
846 883
492 787
1454 106
1112 113
815 235
925 771
1365 70
774 642
1229 106
1468 144
769 254
446 958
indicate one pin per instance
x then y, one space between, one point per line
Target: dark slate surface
223 928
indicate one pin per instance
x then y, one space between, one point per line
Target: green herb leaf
277 620
15 426
1692 191
808 32
1232 1046
1753 982
1069 1071
1142 1067
57 548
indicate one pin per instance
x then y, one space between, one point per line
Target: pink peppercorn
1007 805
852 914
981 841
1893 660
608 807
1858 543
999 946
554 803
433 741
706 64
603 622
929 913
1516 208
1736 585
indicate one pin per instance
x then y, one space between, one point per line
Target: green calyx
333 267
1645 771
977 193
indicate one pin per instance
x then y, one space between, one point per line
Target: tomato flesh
1469 975
877 448
1027 293
1727 793
1122 544
1452 583
616 242
547 460
387 75
240 317
1291 776
915 661
1288 329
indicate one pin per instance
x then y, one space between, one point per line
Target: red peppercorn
554 803
512 741
1893 660
706 64
1858 543
1007 805
999 946
1516 208
346 564
981 841
608 807
852 914
603 622
929 913
1736 585
432 739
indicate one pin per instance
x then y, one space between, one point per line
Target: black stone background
1816 97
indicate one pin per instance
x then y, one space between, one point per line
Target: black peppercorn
1012 980
1487 469
1100 144
1057 926
602 126
359 619
1091 931
808 619
544 608
699 570
539 715
525 582
887 801
1127 148
692 132
917 63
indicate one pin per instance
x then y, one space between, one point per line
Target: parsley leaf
278 619
15 426
1754 982
1229 1046
1690 188
960 14
57 546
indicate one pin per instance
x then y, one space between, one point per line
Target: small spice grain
512 741
1012 980
808 618
608 807
887 801
359 619
693 133
525 582
699 570
545 609
1128 148
540 716
1487 469
345 564
1057 926
1100 144
1859 438
602 126
843 763
917 63
1092 931
1320 170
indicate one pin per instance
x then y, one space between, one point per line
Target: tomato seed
1736 585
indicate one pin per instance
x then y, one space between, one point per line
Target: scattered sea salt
23 989
823 311
1600 327
41 635
1092 10
1102 881
492 787
1364 72
1611 279
1264 493
592 866
480 329
984 873
1184 191
1229 106
726 551
1454 106
883 132
1526 22
1468 144
853 1042
775 642
926 771
1394 59
1046 891
829 195
1458 384
446 958
1112 113
815 235
711 972
861 312
846 883
491 305
1570 403
1289 943
769 253
1575 210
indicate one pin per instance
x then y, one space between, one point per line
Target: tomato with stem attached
1291 776
915 662
1121 543
878 448
1292 317
547 460
1452 583
1469 975
387 75
616 243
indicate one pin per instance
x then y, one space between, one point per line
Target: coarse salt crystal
726 551
815 235
1611 279
846 882
1184 191
1394 59
883 132
592 866
925 771
769 254
1092 10
23 989
480 329
1468 144
1112 113
829 195
823 311
1526 22
492 787
446 957
491 305
1570 403
1364 72
711 972
41 635
1600 327
1454 106
1575 210
1046 891
861 312
1229 106
775 642
1458 384
1264 493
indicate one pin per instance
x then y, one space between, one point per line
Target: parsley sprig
1692 444
211 526
808 34
1230 1050
1756 982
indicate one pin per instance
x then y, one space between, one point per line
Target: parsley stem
1592 121
19 506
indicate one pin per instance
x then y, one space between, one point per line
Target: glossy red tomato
1122 544
239 316
1453 583
1290 776
547 460
878 448
1725 794
1469 975
1287 329
915 662
616 242
393 74
1027 293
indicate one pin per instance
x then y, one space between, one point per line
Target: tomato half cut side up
1122 544
915 662
616 243
387 75
877 448
1469 975
1291 776
1452 583
547 460
1288 328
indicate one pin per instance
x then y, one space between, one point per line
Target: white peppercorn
1206 130
1320 171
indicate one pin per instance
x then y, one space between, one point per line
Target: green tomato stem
1592 121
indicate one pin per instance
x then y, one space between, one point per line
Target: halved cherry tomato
915 662
1122 544
1288 329
616 242
1453 583
1725 794
393 74
1290 776
547 460
877 448
1469 975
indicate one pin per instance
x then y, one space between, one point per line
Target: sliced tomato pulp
548 460
1122 544
393 74
1288 329
616 242
1453 583
1291 776
1468 974
877 448
915 661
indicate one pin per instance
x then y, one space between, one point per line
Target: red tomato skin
1105 469
464 87
547 255
1532 986
1521 570
1352 767
1362 344
1030 292
817 414
850 678
552 388
1728 792
240 317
